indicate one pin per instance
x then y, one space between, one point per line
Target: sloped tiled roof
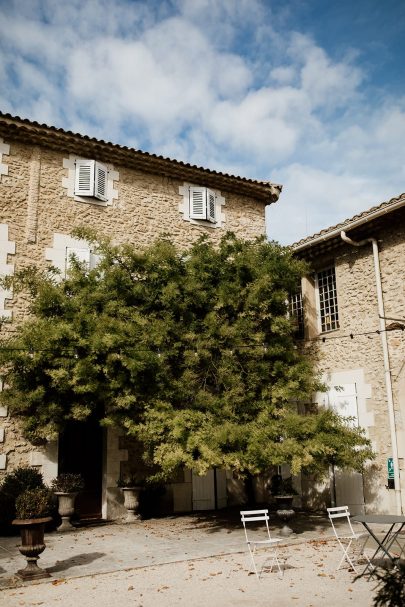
355 221
26 130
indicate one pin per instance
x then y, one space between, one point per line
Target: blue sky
306 93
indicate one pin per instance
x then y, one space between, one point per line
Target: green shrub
13 485
131 480
282 486
68 482
33 503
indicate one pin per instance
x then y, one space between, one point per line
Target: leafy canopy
192 353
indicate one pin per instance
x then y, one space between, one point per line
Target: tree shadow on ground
229 519
75 561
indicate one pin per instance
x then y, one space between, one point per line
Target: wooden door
209 491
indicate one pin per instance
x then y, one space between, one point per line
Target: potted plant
32 513
14 483
131 486
66 486
282 490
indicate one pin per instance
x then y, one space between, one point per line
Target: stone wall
359 359
37 202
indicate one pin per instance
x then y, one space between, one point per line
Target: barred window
297 312
328 305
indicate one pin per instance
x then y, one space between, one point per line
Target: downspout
387 370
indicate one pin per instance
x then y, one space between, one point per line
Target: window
81 255
296 307
91 179
202 204
327 300
343 400
65 248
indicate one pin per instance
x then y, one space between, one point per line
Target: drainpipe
387 370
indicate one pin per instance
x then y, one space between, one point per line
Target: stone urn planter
66 509
66 486
131 486
32 507
131 503
283 494
285 512
32 545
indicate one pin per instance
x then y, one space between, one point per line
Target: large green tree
191 352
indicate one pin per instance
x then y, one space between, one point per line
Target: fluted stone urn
66 509
285 512
32 545
131 503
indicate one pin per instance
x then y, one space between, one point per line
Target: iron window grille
327 299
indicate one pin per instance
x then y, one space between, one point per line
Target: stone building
351 313
52 181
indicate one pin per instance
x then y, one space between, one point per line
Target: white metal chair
255 516
346 535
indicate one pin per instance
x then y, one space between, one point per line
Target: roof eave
54 138
335 232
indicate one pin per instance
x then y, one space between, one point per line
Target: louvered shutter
211 206
198 203
100 190
84 178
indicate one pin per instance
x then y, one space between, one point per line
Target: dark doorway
81 451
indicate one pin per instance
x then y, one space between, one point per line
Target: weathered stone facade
146 195
352 355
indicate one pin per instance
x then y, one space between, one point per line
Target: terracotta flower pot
32 545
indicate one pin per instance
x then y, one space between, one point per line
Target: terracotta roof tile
362 217
145 159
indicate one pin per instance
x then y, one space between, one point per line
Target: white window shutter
100 190
82 256
211 206
198 203
84 178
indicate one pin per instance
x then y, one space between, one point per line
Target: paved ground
183 560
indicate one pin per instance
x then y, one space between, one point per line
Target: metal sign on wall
390 467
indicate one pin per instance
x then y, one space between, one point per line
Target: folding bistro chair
346 536
254 516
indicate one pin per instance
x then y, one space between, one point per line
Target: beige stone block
36 458
3 461
3 411
2 433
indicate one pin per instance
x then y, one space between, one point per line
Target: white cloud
314 199
283 74
211 82
327 84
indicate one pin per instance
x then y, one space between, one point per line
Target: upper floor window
327 300
296 309
202 204
91 179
